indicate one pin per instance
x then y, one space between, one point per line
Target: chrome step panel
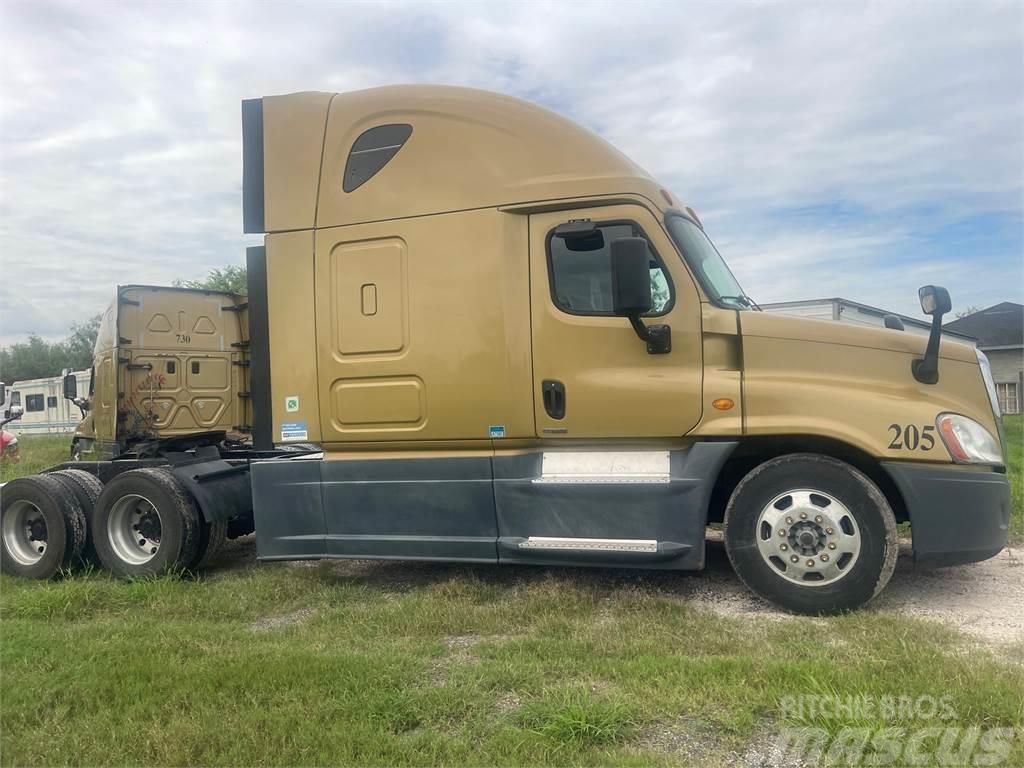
605 467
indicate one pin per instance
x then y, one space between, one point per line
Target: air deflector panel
372 151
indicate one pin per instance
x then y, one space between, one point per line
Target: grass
415 664
35 453
405 664
1013 427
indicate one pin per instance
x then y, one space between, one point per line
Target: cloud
831 149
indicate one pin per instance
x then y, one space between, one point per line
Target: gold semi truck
512 345
170 371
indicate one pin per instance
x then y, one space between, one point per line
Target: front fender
862 396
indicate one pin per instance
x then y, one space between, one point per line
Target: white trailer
45 411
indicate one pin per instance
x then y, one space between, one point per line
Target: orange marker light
723 403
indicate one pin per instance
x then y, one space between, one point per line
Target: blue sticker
294 430
497 430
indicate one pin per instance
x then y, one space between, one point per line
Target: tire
39 512
817 510
146 523
211 541
87 489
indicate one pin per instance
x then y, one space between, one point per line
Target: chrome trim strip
601 545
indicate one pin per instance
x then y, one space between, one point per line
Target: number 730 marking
913 437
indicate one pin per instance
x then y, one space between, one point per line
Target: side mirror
16 412
631 291
934 300
631 276
70 386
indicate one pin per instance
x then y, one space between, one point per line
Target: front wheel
811 534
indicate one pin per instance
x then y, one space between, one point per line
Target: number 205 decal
911 437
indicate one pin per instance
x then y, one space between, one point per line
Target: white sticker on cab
294 430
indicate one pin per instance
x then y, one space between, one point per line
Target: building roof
1001 325
867 309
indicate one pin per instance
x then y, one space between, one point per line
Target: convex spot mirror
631 277
934 300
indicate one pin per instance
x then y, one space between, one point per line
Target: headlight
967 441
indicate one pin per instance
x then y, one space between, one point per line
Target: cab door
593 375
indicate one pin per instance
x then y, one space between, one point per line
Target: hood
777 326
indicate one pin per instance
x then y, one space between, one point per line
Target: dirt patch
286 620
459 651
984 600
688 742
507 703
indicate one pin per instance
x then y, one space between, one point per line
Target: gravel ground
984 600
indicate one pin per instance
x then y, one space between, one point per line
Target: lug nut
782 533
829 531
810 563
794 559
832 545
783 547
803 515
817 518
789 521
824 558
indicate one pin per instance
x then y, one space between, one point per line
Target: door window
581 274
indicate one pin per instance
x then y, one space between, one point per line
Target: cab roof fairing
468 149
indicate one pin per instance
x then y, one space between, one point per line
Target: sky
845 148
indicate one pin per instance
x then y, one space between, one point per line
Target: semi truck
478 332
170 371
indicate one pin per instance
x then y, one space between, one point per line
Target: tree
80 344
36 358
969 310
230 278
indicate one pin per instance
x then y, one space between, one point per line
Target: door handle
553 393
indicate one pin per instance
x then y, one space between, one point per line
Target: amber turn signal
723 403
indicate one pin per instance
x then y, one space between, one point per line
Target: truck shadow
985 599
717 582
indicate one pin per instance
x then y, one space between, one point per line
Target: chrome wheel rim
808 537
134 528
25 534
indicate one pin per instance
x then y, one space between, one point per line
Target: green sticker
291 403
